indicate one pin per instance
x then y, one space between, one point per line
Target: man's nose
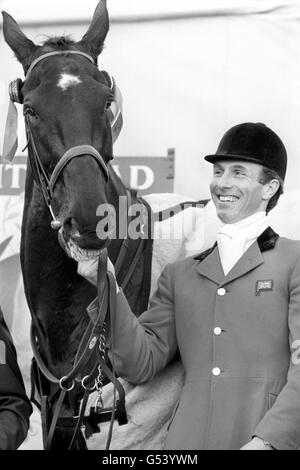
225 181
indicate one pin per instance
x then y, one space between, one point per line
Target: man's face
236 190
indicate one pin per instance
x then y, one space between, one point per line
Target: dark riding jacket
239 340
15 407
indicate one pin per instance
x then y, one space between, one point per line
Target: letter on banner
134 177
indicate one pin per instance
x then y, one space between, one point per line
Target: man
233 312
15 408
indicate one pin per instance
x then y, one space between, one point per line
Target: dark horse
66 102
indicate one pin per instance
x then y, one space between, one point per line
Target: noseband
40 175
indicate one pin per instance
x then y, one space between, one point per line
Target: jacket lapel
251 259
210 264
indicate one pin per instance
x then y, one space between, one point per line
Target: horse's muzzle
76 252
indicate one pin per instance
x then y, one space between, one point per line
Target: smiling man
232 312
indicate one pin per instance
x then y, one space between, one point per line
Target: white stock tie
234 239
231 242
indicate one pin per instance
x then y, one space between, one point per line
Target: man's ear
270 189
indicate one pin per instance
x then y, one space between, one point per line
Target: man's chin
226 217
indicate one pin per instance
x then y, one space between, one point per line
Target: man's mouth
229 198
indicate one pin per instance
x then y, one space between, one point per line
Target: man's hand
256 444
88 269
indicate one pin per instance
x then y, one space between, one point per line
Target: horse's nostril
71 228
76 235
67 224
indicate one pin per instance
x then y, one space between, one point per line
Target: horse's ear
17 41
93 40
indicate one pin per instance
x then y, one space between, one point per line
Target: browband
49 54
10 142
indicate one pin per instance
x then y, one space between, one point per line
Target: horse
70 126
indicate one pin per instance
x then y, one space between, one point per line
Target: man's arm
141 347
281 424
15 408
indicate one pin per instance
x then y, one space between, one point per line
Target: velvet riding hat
252 142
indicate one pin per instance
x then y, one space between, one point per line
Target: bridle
45 183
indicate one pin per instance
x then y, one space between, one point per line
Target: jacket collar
210 264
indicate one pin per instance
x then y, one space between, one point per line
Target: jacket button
221 291
216 371
217 331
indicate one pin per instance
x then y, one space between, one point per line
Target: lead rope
87 391
102 268
111 308
47 444
97 333
112 302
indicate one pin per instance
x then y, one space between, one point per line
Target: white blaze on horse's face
66 81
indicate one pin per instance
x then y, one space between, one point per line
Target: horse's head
66 104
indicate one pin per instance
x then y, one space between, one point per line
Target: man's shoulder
288 250
289 244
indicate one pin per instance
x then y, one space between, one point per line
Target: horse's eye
108 104
29 112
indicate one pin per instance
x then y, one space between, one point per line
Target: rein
93 340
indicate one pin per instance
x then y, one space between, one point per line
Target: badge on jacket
263 286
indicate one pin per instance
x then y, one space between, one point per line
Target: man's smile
227 198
